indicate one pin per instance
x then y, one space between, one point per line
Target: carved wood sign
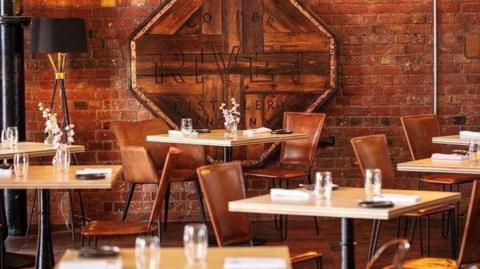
271 55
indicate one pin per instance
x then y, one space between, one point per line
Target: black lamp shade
66 35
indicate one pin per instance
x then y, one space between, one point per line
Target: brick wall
385 72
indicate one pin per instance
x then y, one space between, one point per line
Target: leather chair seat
429 210
449 179
430 263
182 175
276 173
113 228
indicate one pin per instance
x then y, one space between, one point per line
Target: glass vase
61 160
231 130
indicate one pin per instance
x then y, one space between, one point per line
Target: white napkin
449 157
260 130
284 193
175 133
398 198
5 172
89 171
83 263
254 263
469 135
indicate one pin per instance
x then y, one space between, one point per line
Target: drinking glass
62 159
5 139
473 151
12 136
373 183
147 252
195 242
20 164
187 127
323 184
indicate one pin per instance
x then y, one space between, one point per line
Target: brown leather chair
469 250
372 152
402 247
137 155
298 153
419 131
222 183
101 228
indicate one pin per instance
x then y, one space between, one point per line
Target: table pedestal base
45 258
348 244
14 260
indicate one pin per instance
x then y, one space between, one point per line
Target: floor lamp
57 37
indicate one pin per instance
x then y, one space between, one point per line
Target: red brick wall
385 72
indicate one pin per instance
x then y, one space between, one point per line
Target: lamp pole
12 102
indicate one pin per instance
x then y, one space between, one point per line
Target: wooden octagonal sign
270 55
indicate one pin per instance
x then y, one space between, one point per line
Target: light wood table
451 140
344 205
216 138
174 257
34 149
441 166
45 178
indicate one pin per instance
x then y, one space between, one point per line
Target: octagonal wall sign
270 55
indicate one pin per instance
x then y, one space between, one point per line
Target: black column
12 100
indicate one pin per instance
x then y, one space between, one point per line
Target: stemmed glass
147 252
20 164
195 242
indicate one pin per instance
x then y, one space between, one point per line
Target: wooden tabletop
34 149
45 177
451 140
344 204
441 166
175 257
216 138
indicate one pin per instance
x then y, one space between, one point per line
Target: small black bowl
376 204
96 176
99 252
282 131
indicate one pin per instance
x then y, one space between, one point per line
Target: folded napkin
84 263
284 193
175 133
89 171
469 135
398 198
254 263
449 157
5 172
260 130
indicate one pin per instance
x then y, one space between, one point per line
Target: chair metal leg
72 216
198 192
453 234
2 254
159 228
414 227
428 236
165 207
32 211
131 189
420 235
374 238
82 209
399 222
283 227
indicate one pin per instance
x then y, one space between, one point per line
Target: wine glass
195 242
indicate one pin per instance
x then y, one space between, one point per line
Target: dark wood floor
301 238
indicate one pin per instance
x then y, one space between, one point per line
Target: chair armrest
138 166
306 257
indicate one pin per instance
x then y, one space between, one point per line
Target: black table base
227 154
14 260
45 258
348 244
